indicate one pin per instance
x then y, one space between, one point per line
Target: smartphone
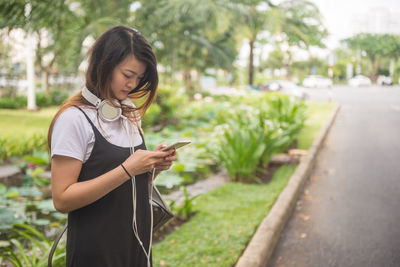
176 145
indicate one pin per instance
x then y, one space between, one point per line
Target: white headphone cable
126 124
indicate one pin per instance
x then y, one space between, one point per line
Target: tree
261 16
290 23
61 26
190 34
302 27
39 18
377 47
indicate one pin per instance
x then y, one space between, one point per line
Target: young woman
99 156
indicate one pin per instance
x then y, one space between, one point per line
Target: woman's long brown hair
110 49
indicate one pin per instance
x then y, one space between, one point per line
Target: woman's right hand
142 161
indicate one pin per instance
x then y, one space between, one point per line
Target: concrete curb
263 242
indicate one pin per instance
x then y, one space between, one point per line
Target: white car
317 81
384 80
359 80
290 88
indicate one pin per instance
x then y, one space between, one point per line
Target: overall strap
91 123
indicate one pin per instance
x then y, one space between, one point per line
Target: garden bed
213 236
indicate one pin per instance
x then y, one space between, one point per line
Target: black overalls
100 234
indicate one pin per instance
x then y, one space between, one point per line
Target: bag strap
53 248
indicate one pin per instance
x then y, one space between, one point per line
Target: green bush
56 98
208 112
152 115
253 135
241 148
289 116
13 102
19 146
170 101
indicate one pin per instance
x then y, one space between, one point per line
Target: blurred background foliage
192 39
189 37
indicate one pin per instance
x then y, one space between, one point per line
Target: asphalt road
349 213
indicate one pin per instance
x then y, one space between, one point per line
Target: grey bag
161 212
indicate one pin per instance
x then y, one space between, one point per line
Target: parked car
384 80
270 86
317 81
285 87
359 80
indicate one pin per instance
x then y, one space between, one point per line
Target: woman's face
126 76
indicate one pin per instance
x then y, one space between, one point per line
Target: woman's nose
132 83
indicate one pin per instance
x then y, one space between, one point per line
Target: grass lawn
228 216
225 222
318 113
23 131
15 123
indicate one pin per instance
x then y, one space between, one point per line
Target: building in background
377 20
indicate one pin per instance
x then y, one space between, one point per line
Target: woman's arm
69 194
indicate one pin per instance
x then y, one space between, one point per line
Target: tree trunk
288 65
251 63
45 82
30 73
187 78
375 67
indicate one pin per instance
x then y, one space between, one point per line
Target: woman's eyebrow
134 72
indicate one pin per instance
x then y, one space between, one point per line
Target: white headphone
105 109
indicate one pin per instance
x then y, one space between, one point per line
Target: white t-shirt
73 135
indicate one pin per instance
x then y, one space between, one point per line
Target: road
349 212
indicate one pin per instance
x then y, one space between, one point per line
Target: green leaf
168 180
178 167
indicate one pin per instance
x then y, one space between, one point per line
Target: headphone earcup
108 112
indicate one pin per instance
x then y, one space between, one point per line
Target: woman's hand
144 161
168 160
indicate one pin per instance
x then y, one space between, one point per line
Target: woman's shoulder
74 112
74 116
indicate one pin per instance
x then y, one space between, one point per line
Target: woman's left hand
168 161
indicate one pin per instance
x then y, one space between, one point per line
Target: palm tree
190 34
297 22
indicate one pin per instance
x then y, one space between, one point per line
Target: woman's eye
127 76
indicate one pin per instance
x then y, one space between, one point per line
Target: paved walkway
349 214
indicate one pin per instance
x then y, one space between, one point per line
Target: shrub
56 98
289 116
253 135
240 148
13 102
152 115
170 100
19 146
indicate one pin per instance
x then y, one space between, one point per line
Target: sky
339 15
343 18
